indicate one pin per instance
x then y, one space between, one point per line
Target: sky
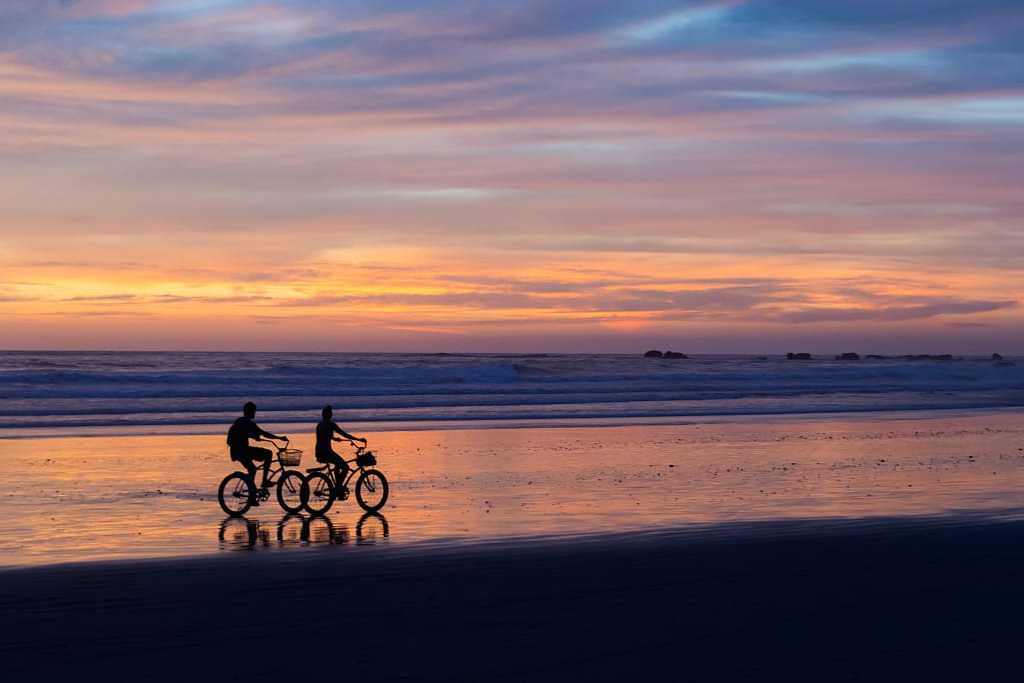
751 176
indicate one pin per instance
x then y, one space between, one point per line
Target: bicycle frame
353 469
276 468
273 473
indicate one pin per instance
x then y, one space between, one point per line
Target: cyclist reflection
241 533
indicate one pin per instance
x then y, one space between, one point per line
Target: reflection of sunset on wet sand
93 498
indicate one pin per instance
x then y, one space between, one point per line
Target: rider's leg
251 468
339 482
340 471
266 456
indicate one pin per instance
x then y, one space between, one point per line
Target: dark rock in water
928 356
654 354
848 356
760 357
798 356
997 356
673 354
875 356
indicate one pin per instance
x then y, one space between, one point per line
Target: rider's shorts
331 458
252 453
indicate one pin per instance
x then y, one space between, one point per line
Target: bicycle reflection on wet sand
241 533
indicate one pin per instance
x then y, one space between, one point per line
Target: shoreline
896 600
456 424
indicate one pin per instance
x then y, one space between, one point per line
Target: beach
822 547
550 517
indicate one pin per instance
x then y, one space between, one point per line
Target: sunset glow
726 175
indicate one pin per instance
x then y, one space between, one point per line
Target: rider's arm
348 436
263 434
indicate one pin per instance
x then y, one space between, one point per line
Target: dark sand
904 600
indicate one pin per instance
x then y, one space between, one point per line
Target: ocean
68 393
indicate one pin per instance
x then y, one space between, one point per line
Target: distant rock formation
798 356
928 356
654 353
875 356
848 356
997 356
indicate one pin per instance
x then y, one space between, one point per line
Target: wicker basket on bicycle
366 459
290 456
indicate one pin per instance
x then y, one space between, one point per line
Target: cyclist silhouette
325 431
243 429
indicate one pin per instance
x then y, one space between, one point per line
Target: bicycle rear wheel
236 494
372 490
290 489
319 493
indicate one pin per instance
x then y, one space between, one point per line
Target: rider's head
327 412
249 409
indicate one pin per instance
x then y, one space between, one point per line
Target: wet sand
121 497
912 599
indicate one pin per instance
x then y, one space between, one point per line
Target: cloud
101 298
968 325
940 307
560 160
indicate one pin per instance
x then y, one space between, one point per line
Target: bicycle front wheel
292 530
372 528
289 491
372 490
236 494
319 493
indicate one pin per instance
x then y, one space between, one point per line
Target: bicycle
325 484
238 492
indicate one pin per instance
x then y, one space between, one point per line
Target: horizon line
822 354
